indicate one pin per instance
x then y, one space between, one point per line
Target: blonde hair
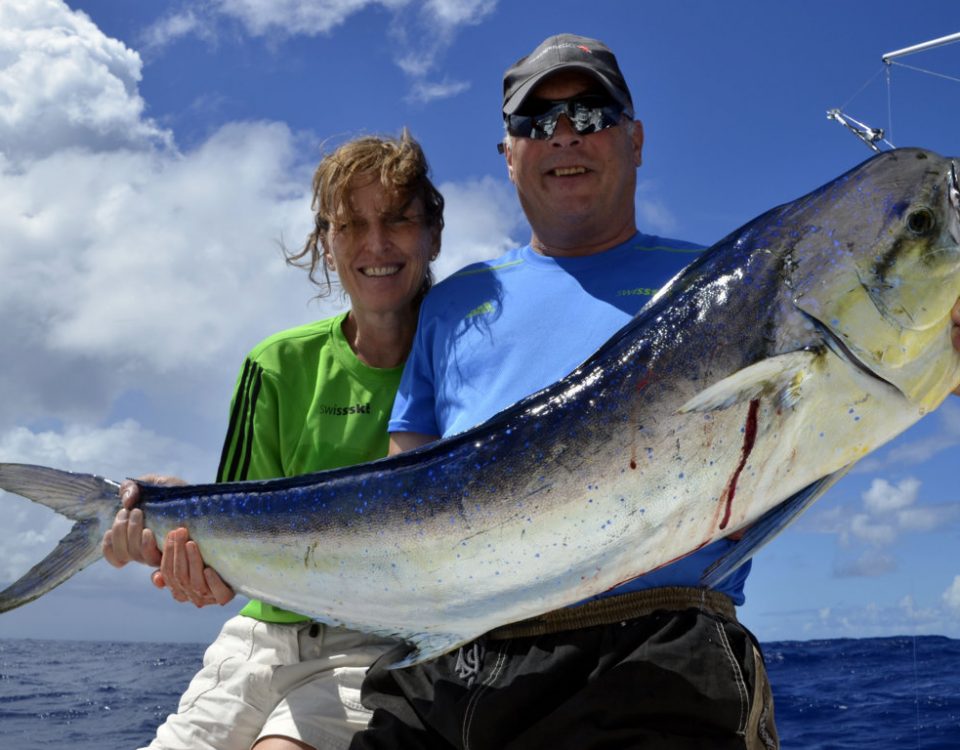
403 171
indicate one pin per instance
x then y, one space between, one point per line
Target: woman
311 398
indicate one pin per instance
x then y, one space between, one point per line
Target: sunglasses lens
588 114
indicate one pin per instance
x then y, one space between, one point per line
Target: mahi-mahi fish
747 386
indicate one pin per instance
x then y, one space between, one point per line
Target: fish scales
748 385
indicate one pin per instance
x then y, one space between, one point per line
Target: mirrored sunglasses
587 114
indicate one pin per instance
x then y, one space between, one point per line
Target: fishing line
923 70
889 103
860 90
916 691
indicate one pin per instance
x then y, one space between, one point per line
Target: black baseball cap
564 52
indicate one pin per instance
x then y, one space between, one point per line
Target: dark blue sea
874 693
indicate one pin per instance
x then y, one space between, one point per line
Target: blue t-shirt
502 329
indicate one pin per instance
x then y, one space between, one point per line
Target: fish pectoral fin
428 647
765 528
782 375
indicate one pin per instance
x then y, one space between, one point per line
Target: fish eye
921 221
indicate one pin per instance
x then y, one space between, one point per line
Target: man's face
576 190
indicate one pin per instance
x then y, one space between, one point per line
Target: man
668 666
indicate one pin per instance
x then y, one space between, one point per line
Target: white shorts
260 679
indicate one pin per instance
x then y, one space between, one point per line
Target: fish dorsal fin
782 375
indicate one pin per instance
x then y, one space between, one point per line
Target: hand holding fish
127 540
181 567
183 571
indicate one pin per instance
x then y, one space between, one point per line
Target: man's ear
637 143
508 155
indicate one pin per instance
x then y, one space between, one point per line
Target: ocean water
874 693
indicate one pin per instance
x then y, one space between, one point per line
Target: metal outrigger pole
870 136
920 47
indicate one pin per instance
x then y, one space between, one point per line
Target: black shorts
670 678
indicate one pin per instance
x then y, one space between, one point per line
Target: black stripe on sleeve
248 441
238 421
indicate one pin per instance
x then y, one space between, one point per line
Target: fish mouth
837 345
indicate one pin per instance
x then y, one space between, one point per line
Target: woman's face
381 251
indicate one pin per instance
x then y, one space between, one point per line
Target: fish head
879 271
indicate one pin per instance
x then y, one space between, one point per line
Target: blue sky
153 156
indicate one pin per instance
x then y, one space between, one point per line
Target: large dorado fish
756 378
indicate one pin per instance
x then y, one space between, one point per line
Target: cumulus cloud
122 449
890 510
482 219
867 535
883 497
145 269
64 84
951 597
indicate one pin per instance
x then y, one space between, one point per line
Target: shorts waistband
618 608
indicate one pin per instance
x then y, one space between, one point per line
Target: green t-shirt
303 403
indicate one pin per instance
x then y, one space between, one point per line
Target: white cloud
120 450
169 29
425 92
653 216
889 510
868 537
292 17
482 220
423 36
123 268
951 597
864 527
64 84
452 13
922 519
914 614
883 497
420 33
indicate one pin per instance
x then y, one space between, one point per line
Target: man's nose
564 134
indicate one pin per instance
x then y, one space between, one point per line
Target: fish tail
89 500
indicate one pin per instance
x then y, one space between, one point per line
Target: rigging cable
871 136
